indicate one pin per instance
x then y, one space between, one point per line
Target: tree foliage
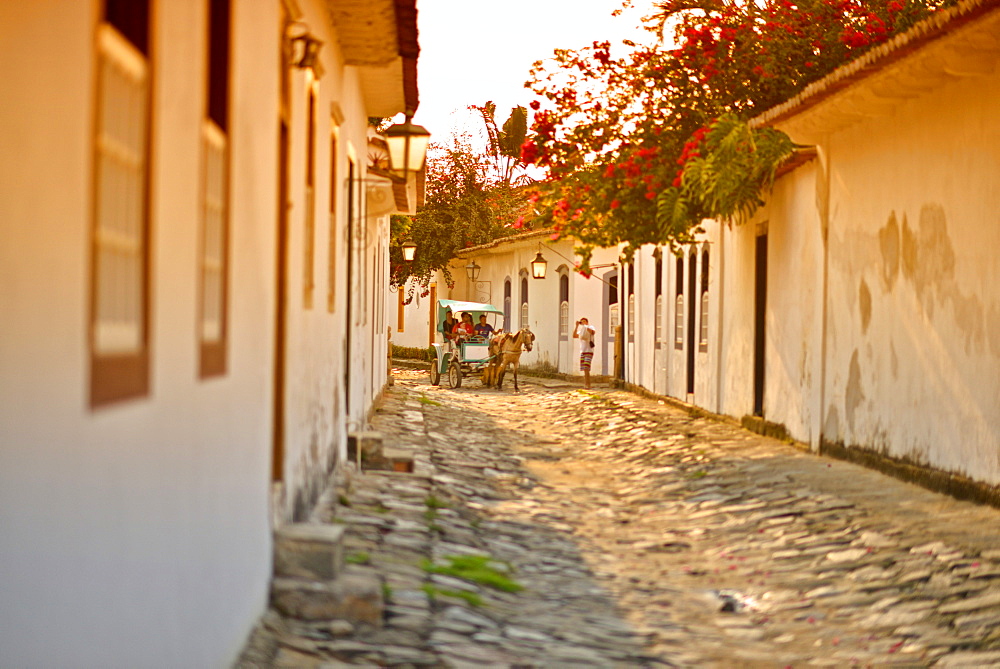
472 198
640 146
503 144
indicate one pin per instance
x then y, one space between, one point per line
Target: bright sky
472 51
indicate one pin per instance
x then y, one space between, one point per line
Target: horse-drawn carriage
489 355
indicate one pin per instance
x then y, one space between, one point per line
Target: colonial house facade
192 314
885 241
500 273
858 311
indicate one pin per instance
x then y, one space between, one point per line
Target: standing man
586 335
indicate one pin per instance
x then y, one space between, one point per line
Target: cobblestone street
608 530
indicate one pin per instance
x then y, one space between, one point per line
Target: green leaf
515 129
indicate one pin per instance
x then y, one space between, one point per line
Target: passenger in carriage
464 328
483 329
448 326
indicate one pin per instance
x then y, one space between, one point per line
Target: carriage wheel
435 373
454 373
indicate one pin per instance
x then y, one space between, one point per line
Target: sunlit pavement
643 536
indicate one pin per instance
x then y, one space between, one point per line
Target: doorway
691 321
611 321
760 302
281 268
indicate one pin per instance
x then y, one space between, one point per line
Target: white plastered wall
137 534
794 316
736 354
913 336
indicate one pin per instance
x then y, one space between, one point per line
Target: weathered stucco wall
913 332
736 362
794 316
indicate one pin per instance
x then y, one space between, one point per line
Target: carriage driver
483 329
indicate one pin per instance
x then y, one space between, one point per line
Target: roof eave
380 38
877 60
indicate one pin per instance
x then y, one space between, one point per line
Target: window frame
658 300
524 313
120 370
400 309
215 193
630 305
703 315
614 310
331 277
309 223
563 304
679 305
508 291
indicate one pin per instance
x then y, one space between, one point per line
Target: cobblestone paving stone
643 537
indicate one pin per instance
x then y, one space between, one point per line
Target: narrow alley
558 527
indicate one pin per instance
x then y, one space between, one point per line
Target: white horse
510 346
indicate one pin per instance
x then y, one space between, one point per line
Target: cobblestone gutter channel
642 537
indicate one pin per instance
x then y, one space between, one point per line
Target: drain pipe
824 213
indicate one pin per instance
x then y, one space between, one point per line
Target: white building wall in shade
913 351
139 533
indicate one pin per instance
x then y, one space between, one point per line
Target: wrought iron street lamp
538 266
305 46
407 146
409 250
472 271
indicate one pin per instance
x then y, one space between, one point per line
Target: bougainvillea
626 139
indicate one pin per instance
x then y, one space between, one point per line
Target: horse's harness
518 338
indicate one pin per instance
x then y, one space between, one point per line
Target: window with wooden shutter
309 245
679 306
119 338
214 251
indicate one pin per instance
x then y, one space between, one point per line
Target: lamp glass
472 271
538 266
311 53
407 146
409 251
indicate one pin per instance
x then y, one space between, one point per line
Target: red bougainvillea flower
529 152
625 123
534 104
519 223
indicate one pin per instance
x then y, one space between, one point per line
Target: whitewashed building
859 310
192 315
549 306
